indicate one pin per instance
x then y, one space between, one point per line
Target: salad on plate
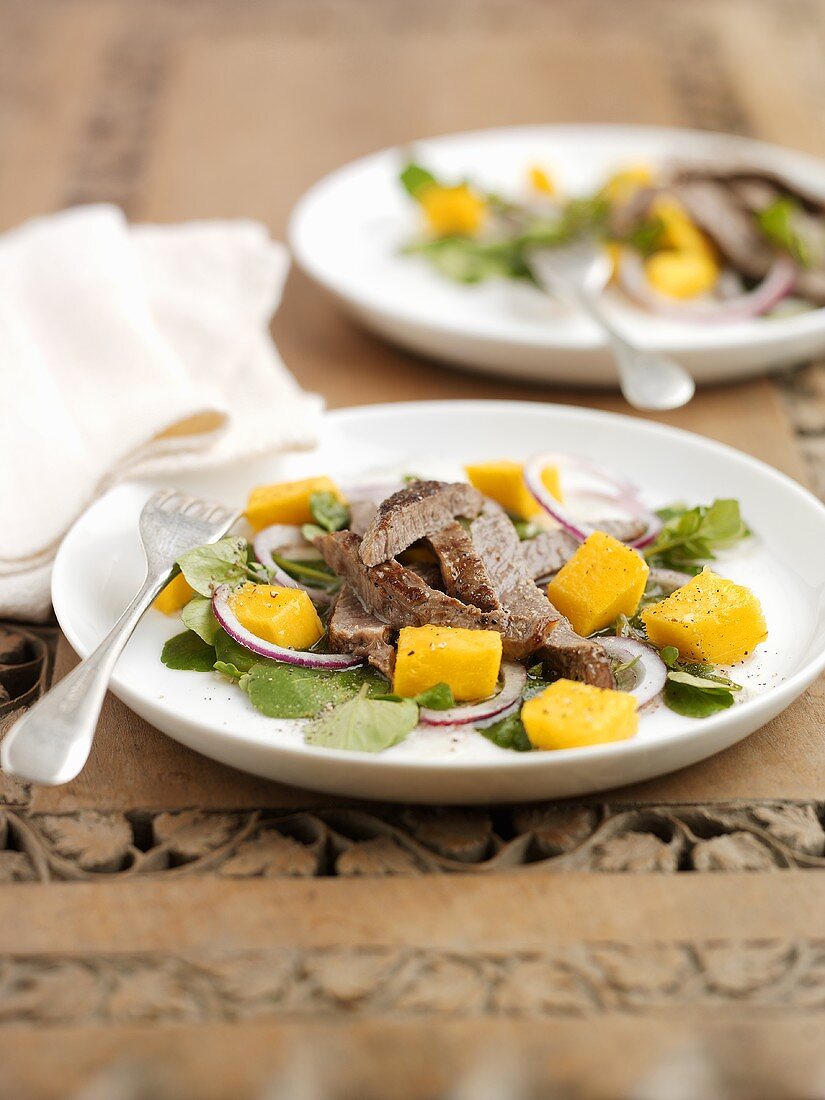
539 605
690 242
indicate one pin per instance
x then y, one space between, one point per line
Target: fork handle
51 742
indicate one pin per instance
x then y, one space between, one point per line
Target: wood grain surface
174 929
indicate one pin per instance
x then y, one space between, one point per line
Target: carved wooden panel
768 836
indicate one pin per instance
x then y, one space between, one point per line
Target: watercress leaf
669 654
438 697
693 702
197 615
713 683
509 733
328 511
288 691
414 176
311 531
188 652
229 670
221 562
777 223
722 523
231 652
362 724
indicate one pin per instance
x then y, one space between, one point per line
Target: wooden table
172 928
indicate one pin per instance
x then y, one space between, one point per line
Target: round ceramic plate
99 567
347 232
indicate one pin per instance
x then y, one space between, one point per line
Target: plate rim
783 693
725 337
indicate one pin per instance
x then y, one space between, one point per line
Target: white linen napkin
128 351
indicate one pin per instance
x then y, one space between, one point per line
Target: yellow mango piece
173 597
503 481
569 715
681 274
622 184
708 619
467 660
286 501
285 616
541 180
452 211
679 232
603 579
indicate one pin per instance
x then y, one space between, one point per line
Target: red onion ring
621 493
491 710
777 284
227 618
650 671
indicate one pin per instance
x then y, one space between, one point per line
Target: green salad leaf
777 223
414 177
230 652
289 691
328 511
187 652
509 733
690 536
696 702
198 616
438 697
362 724
221 562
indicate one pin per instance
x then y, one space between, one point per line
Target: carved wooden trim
583 979
550 838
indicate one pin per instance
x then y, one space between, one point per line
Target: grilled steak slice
421 509
465 574
535 626
530 613
548 551
576 658
398 595
353 629
715 209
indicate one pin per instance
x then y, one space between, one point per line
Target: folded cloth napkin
129 351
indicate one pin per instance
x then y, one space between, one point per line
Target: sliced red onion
650 670
269 540
491 710
227 618
777 284
598 484
669 579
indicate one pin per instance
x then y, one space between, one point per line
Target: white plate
99 566
346 232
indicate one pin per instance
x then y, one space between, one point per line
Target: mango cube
603 579
285 616
504 482
467 660
569 715
708 619
173 597
287 501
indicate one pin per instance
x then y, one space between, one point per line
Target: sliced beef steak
534 626
353 629
464 574
530 613
548 551
421 509
398 595
732 228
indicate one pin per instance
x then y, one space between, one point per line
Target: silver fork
579 272
51 742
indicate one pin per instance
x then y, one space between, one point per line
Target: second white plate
347 231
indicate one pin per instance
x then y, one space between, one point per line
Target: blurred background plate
346 233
